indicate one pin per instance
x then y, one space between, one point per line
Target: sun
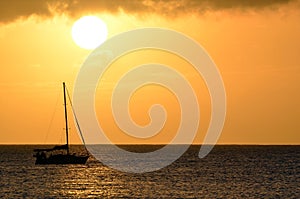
89 32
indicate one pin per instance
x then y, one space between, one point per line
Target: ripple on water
229 171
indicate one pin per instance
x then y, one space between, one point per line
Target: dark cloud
11 10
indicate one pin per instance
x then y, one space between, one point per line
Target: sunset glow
255 46
89 32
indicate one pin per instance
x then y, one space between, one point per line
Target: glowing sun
89 32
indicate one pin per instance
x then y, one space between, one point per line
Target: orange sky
255 46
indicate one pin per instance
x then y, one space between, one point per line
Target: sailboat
61 154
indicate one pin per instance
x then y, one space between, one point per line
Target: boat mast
66 117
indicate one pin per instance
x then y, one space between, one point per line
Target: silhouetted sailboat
60 154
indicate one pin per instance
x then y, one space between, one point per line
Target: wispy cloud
18 9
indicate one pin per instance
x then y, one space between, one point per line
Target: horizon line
160 144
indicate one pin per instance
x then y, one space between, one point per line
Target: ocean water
227 172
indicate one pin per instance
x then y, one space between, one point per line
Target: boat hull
61 159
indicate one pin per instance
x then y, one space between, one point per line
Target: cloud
17 9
